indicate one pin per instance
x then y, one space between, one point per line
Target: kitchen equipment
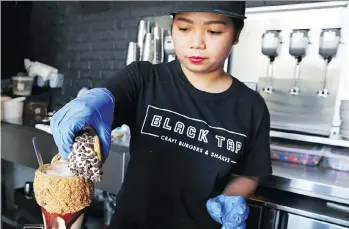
109 208
132 53
27 212
38 154
143 29
340 207
36 106
6 85
297 221
169 48
282 209
328 47
22 85
299 41
295 107
148 52
270 47
298 153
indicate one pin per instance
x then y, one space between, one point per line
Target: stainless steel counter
287 203
17 146
318 182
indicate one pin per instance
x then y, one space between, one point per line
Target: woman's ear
236 37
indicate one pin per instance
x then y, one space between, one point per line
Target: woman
193 126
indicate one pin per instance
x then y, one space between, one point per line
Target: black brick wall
87 41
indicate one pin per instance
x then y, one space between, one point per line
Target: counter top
17 146
301 205
318 182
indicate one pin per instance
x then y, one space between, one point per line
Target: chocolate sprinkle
83 160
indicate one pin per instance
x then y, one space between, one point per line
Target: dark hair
238 26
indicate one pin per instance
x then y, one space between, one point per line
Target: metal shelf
308 138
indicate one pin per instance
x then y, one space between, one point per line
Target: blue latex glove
230 211
95 108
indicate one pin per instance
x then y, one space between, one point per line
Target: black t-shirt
185 145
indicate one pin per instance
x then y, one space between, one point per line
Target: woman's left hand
230 211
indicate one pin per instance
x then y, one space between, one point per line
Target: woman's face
202 41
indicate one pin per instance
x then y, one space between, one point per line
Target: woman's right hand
96 109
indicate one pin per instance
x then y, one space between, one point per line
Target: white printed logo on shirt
193 134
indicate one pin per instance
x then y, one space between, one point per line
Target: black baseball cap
233 9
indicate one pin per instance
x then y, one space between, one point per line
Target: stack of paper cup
158 45
132 53
143 29
148 49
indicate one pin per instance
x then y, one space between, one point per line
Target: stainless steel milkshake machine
300 63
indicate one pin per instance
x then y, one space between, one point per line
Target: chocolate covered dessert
85 159
64 189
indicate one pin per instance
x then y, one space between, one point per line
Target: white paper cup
13 109
3 99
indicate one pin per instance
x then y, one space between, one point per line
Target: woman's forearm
241 186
